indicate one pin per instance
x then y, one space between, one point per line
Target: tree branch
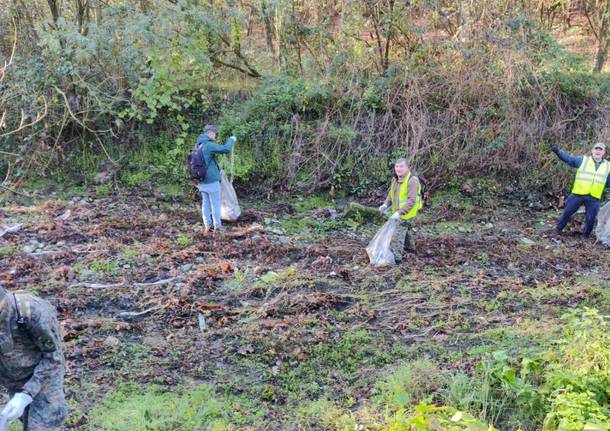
250 72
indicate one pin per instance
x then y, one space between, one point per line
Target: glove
395 216
383 208
233 139
555 148
16 406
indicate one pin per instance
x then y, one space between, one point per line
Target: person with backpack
204 168
405 199
592 177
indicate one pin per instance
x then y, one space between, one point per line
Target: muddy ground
283 307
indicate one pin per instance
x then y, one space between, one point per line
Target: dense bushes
469 120
564 388
314 103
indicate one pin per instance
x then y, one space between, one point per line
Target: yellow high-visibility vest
589 181
402 199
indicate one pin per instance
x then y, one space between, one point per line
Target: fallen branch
10 229
133 315
46 253
156 283
96 285
15 192
91 251
122 284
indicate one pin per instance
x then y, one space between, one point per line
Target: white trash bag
602 231
379 251
229 206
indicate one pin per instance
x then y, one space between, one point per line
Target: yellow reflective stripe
587 180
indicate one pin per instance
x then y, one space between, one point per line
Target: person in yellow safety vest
405 200
592 177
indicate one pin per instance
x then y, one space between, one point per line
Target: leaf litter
121 280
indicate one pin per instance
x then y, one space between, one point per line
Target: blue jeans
572 204
210 204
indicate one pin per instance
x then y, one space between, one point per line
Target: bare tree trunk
23 14
54 7
267 20
82 7
602 49
598 16
388 41
280 45
98 12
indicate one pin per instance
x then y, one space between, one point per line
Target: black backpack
425 189
196 164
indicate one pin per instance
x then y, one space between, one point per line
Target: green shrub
564 387
136 178
184 240
409 384
576 411
432 418
263 126
508 399
578 378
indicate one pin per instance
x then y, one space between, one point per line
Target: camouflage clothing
403 239
31 358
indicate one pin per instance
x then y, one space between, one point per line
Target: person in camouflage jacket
32 364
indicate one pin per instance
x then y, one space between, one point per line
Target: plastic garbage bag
229 206
602 231
379 251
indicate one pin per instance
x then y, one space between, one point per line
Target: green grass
308 203
429 417
130 254
132 408
509 338
322 414
7 250
171 189
134 179
240 277
409 383
306 227
184 240
273 277
109 267
103 189
338 364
